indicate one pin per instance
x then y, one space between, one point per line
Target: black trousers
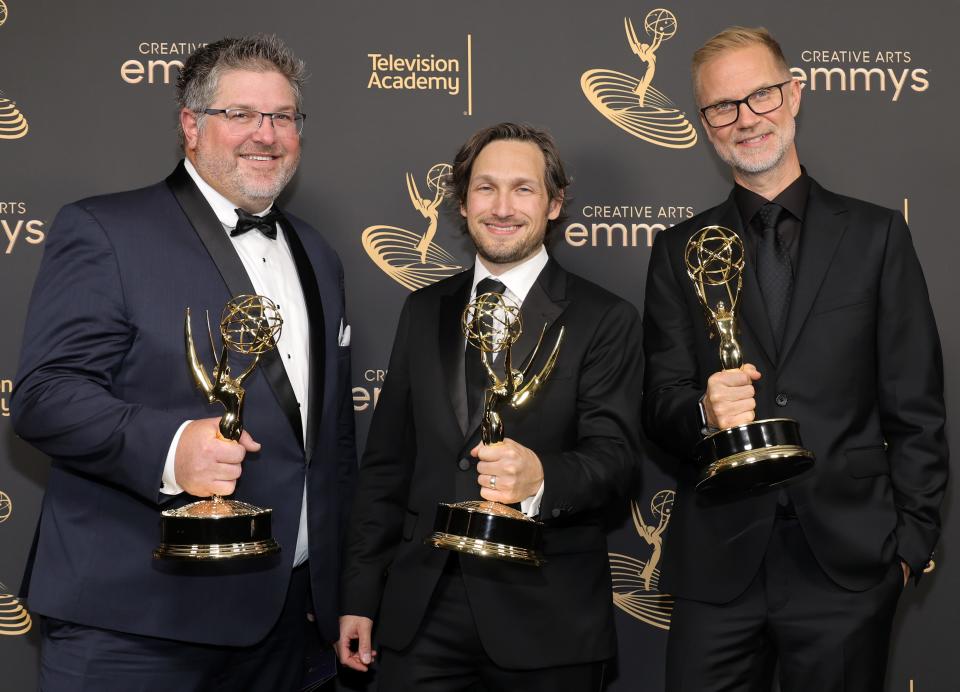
822 636
447 655
77 658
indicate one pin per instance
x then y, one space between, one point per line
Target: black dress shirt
793 200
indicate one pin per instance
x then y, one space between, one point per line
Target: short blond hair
732 38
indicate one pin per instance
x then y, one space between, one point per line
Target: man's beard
753 165
227 172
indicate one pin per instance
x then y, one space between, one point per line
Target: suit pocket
409 525
866 462
842 302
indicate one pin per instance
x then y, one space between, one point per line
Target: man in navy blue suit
103 388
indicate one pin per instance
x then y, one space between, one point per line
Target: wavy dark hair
554 175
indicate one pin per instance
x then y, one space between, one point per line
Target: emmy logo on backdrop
218 528
12 123
411 259
6 507
762 453
636 582
3 13
633 104
484 528
14 618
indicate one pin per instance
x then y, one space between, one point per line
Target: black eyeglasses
763 100
244 121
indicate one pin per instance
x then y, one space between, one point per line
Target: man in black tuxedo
104 389
837 333
448 621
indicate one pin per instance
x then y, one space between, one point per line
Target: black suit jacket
103 386
583 425
860 369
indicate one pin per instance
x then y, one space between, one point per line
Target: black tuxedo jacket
583 425
860 369
103 386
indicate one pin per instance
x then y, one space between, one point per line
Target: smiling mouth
502 228
753 141
258 157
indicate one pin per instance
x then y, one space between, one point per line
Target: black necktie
476 374
266 224
774 272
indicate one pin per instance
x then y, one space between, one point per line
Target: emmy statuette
220 528
760 454
481 527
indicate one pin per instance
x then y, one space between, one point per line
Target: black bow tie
266 224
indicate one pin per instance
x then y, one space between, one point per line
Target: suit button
555 512
464 464
782 399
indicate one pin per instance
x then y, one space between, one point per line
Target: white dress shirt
518 281
273 273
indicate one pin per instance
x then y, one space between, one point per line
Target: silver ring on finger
493 482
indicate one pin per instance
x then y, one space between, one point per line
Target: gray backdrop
86 107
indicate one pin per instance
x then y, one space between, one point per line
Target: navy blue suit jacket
103 386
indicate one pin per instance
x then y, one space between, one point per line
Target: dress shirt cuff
705 428
169 479
531 506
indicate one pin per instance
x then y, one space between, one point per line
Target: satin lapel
823 228
752 313
223 254
318 362
543 304
451 345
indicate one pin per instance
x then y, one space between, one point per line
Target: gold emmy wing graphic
6 507
12 123
634 104
14 618
409 258
635 582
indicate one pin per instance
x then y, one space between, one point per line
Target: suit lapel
545 302
823 228
542 306
224 256
451 344
752 313
314 303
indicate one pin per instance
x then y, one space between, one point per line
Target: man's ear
556 204
191 127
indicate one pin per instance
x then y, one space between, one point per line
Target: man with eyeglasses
104 389
837 333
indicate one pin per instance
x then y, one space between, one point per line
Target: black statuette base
216 538
468 528
752 457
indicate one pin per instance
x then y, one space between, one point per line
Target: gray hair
200 75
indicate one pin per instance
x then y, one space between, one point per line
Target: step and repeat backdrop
86 107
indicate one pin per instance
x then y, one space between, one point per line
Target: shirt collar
793 199
519 279
225 210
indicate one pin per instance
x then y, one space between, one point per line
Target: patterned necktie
774 271
476 374
266 224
